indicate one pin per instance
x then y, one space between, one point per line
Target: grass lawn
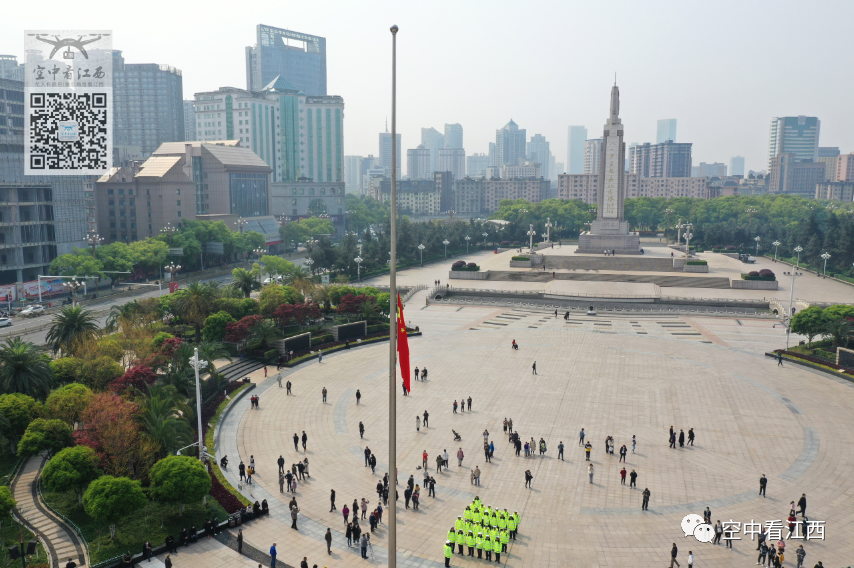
137 527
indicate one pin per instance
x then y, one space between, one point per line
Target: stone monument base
597 244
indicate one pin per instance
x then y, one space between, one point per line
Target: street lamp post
798 249
169 230
825 256
531 232
468 238
793 274
446 242
757 239
687 227
687 237
484 235
358 261
73 285
421 248
197 366
668 212
776 244
172 269
240 223
548 229
309 262
93 239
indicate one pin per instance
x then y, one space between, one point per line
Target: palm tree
194 304
299 278
210 351
164 420
838 330
321 294
245 281
264 332
179 373
118 313
370 310
72 325
24 368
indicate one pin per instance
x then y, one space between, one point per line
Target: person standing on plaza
332 501
623 451
439 463
364 508
242 469
623 476
328 539
673 552
534 368
800 554
240 541
587 448
681 438
510 425
363 545
281 463
373 463
779 358
560 451
763 553
358 397
432 487
460 456
469 401
505 425
294 511
581 437
320 355
403 385
279 380
719 531
690 559
646 495
288 388
633 478
445 458
455 407
634 443
425 416
802 505
273 554
304 440
424 462
449 552
528 479
690 436
417 423
673 440
417 371
476 474
346 513
590 471
763 482
281 483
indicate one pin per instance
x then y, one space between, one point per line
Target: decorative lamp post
484 235
421 248
93 239
825 256
446 242
468 238
172 269
198 365
548 229
309 262
259 251
169 230
668 212
531 232
794 274
687 227
687 236
757 239
776 244
358 261
798 249
73 285
240 224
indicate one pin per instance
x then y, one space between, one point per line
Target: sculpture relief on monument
610 231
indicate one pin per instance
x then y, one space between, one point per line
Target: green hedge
377 328
320 339
271 355
697 263
760 278
522 258
465 269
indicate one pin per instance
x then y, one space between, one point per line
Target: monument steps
615 263
663 281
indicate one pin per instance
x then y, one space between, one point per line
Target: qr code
68 132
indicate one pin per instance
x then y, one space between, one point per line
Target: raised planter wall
468 275
520 264
695 268
753 284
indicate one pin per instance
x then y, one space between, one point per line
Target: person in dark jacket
802 505
182 538
167 561
208 529
681 438
239 541
146 551
673 552
170 543
193 535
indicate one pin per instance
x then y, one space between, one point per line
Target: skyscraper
300 58
434 141
592 154
796 135
667 159
509 144
736 166
493 154
189 121
829 156
148 107
666 130
385 152
476 165
575 154
538 152
418 163
454 136
353 174
453 160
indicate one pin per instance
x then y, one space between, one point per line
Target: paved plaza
617 376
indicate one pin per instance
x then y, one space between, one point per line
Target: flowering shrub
458 264
238 331
766 273
138 377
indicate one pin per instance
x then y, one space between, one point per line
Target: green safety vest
458 524
502 523
487 544
452 536
494 534
449 551
517 518
469 541
467 514
476 516
493 521
511 523
476 503
505 537
496 546
479 542
461 537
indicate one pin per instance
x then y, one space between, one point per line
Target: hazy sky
722 68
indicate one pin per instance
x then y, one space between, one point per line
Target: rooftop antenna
615 78
386 125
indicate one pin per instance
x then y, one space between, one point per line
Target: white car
31 311
5 322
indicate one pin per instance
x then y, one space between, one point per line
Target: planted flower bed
462 265
763 275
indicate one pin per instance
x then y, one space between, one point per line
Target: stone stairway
240 368
614 263
59 540
664 281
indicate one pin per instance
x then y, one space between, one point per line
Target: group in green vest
461 539
487 547
479 544
494 528
449 551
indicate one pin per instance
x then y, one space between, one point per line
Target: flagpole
392 335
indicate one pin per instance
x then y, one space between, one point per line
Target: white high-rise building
736 166
476 165
575 153
538 152
353 174
454 136
592 154
666 130
797 135
418 163
453 160
385 152
434 141
189 122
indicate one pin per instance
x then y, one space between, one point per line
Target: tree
24 368
245 281
300 279
7 502
71 470
194 304
19 410
78 263
214 329
238 331
67 369
274 295
838 312
809 322
265 332
299 313
68 402
276 265
138 377
72 325
838 330
211 351
49 436
179 480
98 374
109 498
163 420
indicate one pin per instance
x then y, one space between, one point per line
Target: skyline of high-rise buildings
666 130
796 135
299 57
576 137
510 144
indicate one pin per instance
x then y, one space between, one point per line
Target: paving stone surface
611 376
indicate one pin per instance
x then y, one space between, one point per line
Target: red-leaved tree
287 313
351 304
237 332
138 377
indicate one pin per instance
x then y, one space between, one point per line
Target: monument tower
610 230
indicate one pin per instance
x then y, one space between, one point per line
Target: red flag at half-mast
402 345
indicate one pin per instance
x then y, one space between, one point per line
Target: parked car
32 311
746 258
5 322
